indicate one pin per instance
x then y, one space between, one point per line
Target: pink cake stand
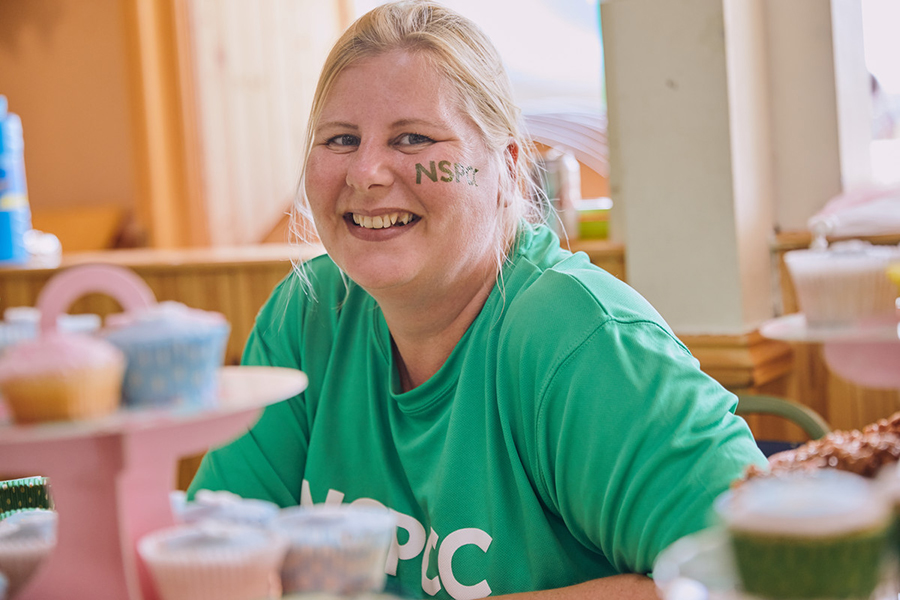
111 479
866 353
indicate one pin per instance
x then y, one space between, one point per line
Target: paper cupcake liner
840 567
20 562
212 572
25 542
849 281
337 549
169 373
198 581
27 493
828 299
341 571
65 396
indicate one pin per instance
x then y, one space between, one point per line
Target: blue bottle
15 216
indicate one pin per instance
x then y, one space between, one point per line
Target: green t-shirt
569 436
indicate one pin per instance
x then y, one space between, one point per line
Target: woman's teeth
383 221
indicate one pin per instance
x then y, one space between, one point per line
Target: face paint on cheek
471 172
450 172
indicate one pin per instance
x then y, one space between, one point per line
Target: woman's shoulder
314 279
560 286
313 290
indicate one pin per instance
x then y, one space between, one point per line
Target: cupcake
61 377
213 561
22 323
23 494
65 376
222 507
173 353
845 282
26 539
339 549
888 480
818 534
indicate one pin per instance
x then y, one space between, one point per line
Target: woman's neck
426 328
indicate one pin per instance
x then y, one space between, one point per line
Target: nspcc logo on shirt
417 544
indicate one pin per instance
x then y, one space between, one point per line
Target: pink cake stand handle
62 290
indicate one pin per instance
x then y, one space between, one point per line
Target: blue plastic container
15 216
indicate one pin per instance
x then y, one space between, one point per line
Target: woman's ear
512 158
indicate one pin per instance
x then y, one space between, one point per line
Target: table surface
147 257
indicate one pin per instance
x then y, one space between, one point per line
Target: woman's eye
343 140
414 139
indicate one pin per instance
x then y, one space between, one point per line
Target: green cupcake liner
848 566
25 493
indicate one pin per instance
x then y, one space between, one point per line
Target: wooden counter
234 281
237 281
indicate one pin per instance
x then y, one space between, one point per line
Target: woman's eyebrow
414 122
337 125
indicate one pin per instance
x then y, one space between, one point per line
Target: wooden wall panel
254 65
235 282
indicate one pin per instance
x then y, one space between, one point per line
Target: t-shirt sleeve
267 461
637 442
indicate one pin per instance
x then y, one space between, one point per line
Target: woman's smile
403 189
386 221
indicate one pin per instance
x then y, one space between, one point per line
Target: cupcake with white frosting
214 561
844 283
820 534
222 507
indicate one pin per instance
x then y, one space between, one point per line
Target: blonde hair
475 72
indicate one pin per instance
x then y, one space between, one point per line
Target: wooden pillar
727 120
168 201
689 166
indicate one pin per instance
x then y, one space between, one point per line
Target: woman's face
403 190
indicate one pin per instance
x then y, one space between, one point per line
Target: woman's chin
378 276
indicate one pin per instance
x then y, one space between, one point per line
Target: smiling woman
365 164
530 420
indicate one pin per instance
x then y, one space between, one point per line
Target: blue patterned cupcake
336 549
173 355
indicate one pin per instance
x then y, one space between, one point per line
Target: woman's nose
369 168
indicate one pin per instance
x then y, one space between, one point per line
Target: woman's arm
267 461
639 443
618 587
